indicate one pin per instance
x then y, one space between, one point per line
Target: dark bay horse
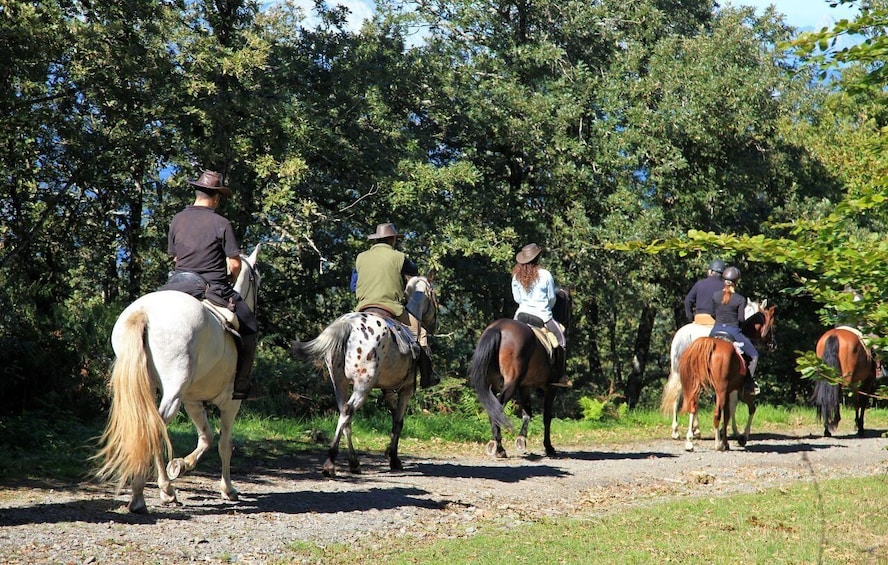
510 360
843 349
708 363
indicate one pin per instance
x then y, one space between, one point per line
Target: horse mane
563 307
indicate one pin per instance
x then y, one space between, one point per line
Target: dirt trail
433 497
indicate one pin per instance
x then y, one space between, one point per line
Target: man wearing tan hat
379 280
203 242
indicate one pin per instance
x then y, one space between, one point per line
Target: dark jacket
699 299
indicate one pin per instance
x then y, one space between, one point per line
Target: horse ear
254 255
764 303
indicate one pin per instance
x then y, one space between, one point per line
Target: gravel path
434 497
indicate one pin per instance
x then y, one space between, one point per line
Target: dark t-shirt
202 240
733 313
699 299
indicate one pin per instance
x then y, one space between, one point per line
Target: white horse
371 351
169 341
759 326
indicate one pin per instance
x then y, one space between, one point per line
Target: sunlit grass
837 521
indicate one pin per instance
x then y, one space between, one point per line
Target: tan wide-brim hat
528 253
385 231
211 181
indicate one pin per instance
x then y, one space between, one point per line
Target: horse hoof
490 448
174 469
233 495
137 507
689 446
329 470
521 443
676 435
551 453
396 465
741 441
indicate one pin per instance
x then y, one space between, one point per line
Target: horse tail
671 392
695 370
826 394
135 433
484 360
331 341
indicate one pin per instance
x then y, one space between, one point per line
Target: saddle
738 348
407 344
195 285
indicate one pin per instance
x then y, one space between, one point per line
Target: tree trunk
635 381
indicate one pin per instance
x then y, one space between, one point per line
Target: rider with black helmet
730 313
698 302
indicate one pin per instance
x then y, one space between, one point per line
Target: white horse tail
332 342
671 392
135 433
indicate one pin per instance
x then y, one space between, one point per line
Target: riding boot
427 375
559 367
243 380
750 387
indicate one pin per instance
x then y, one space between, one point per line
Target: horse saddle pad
547 338
407 344
225 316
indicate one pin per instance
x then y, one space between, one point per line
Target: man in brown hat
379 279
203 242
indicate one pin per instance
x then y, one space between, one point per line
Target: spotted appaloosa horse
760 327
370 351
843 349
169 341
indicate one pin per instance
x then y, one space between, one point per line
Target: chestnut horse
759 327
709 363
843 349
510 360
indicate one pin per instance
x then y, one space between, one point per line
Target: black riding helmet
717 266
731 274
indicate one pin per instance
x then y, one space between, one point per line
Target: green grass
838 521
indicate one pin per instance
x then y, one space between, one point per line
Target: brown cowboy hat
528 253
211 181
385 231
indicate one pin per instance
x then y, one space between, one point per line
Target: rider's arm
234 267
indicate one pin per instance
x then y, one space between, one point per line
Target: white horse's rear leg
179 466
228 412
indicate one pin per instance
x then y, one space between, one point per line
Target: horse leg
860 402
137 498
548 401
750 405
720 419
689 437
228 411
344 423
179 465
397 402
675 417
526 415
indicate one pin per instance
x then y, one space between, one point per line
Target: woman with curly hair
533 289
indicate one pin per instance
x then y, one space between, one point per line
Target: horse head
761 324
247 284
422 303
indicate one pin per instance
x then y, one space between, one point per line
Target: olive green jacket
380 282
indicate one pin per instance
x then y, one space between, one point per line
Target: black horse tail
826 394
485 360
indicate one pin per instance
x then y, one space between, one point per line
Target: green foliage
597 410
